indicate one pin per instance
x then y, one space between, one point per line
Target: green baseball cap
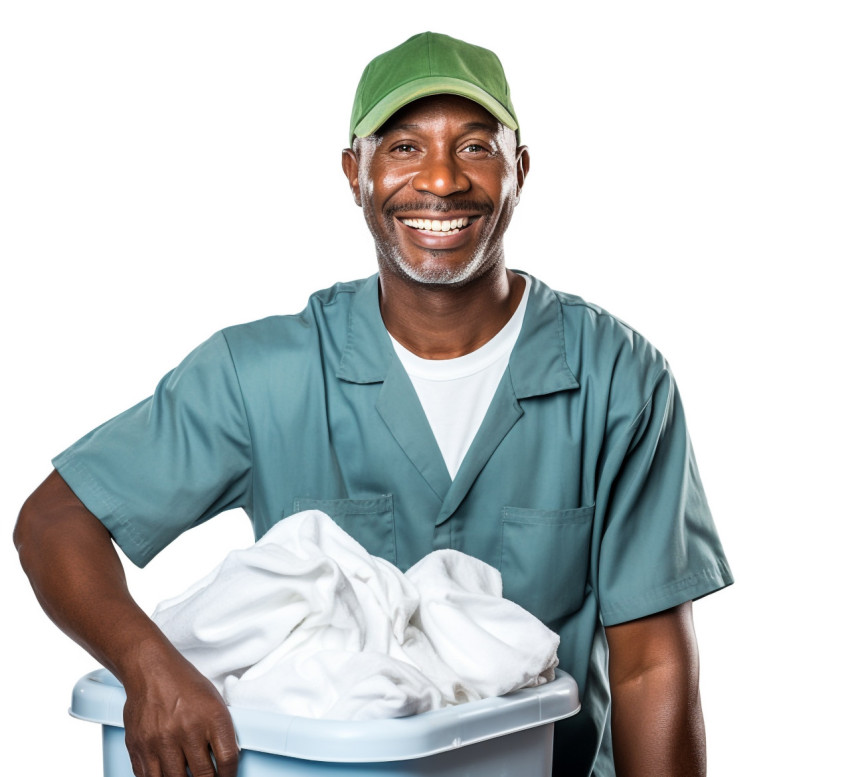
426 64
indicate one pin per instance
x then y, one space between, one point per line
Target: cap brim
425 87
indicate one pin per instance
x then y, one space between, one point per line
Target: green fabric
581 486
428 64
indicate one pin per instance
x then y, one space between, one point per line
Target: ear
523 163
351 168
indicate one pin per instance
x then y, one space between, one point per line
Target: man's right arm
174 717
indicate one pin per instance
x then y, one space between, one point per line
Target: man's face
438 184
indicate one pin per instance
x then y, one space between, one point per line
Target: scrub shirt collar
538 363
368 350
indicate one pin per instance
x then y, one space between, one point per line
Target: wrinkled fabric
306 622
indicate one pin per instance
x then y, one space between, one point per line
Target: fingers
208 748
166 759
216 756
224 748
201 758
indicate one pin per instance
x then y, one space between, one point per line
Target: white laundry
306 622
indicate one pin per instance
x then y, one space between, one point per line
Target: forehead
442 111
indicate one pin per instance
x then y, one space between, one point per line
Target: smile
439 226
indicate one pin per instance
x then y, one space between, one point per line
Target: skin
442 296
441 157
173 717
656 716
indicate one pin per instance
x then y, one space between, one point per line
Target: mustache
439 205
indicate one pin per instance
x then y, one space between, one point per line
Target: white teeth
438 226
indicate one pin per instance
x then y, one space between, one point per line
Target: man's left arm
657 724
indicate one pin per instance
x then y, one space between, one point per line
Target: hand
176 719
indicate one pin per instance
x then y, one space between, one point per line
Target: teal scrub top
580 487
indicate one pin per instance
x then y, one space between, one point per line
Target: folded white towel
306 622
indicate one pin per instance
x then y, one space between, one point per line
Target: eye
404 148
477 150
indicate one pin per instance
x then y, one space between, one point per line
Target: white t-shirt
455 393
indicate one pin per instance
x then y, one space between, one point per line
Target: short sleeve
659 546
172 461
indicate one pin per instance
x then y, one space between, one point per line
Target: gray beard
454 276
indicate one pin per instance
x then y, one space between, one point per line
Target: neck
444 322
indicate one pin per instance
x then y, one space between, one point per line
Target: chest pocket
369 521
544 559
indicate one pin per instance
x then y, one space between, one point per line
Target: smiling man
446 402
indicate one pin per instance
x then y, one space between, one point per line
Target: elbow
46 520
672 679
26 531
24 525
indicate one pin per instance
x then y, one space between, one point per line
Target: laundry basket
498 737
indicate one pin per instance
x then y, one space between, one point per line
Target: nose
440 174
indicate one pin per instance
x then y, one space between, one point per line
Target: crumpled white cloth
306 622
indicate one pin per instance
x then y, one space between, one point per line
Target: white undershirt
455 393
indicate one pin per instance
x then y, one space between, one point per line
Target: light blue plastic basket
500 737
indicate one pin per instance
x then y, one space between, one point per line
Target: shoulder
282 349
326 312
602 349
589 322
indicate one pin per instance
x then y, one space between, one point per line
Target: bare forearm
174 717
657 726
78 579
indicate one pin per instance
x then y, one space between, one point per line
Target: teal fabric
581 485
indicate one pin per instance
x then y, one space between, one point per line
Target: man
445 402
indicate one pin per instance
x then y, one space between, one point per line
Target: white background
169 168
